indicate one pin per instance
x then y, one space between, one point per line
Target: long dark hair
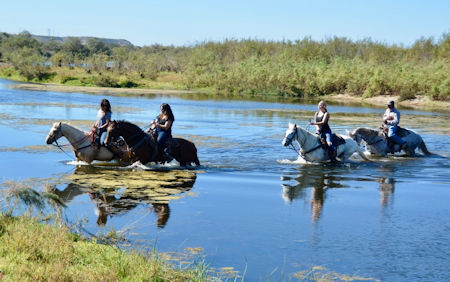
105 105
166 107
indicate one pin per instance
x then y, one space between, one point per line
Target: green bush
106 81
128 84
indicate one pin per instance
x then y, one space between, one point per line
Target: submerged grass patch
320 273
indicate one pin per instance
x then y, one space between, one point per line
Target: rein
378 141
76 142
60 147
312 149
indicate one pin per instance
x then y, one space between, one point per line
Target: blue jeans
327 136
392 129
102 138
163 136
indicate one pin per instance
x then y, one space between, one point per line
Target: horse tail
196 161
424 149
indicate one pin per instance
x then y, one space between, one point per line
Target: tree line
257 67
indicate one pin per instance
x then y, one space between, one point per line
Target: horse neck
73 134
130 134
307 140
368 135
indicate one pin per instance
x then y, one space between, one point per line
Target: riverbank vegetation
302 68
36 246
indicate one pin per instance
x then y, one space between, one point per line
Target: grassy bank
30 251
301 68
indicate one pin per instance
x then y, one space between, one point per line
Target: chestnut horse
145 147
82 145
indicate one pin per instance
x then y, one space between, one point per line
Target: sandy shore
421 103
98 90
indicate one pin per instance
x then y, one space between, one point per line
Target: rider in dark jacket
163 126
321 119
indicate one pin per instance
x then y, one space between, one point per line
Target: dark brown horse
145 147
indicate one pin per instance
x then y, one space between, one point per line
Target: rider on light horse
391 119
321 119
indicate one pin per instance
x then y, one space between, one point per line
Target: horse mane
69 124
370 134
129 125
132 130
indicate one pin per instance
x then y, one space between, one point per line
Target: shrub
128 84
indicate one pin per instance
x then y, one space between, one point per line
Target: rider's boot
332 153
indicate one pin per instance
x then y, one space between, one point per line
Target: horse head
291 134
366 134
355 136
55 133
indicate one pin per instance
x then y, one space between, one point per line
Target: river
249 207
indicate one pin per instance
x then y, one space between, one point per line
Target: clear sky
187 22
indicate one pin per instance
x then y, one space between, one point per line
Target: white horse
311 148
80 141
377 143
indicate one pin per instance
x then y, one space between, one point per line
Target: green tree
75 48
29 63
50 48
97 46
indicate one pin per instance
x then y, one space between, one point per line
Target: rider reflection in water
163 126
321 119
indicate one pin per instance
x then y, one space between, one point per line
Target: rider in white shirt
391 119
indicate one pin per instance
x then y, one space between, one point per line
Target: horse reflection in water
386 185
116 192
311 177
320 180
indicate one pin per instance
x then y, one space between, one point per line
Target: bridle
300 152
57 131
291 143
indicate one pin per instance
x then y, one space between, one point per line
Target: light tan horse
80 141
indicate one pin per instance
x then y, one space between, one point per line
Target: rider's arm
393 118
325 118
166 125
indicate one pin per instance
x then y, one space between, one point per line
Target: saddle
401 132
335 139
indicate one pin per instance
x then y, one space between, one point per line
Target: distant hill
83 39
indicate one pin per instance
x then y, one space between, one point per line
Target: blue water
249 206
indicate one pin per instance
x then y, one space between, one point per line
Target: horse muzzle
49 140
